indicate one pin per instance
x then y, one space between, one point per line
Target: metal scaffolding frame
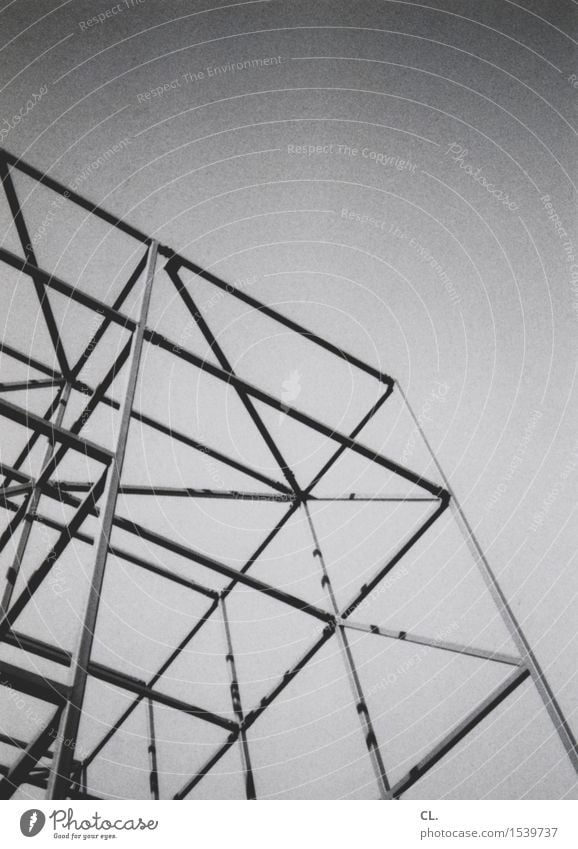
49 760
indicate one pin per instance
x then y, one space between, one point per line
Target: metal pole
529 658
59 782
29 757
355 683
225 364
154 776
254 715
238 708
465 727
32 507
442 645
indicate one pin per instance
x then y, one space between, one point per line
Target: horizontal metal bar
345 441
165 344
222 569
155 569
188 492
467 725
32 684
141 688
9 351
75 294
24 385
40 277
50 488
189 636
363 499
408 637
241 385
120 552
37 647
39 574
214 606
30 503
185 439
60 487
57 406
71 378
65 437
176 260
190 554
70 500
74 197
152 681
16 489
175 492
97 670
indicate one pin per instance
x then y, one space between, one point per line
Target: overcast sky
377 171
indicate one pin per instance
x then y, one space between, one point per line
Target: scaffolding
50 758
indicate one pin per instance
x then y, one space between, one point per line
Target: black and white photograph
288 420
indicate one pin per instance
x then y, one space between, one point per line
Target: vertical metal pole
238 708
519 638
34 500
154 776
360 702
82 780
59 782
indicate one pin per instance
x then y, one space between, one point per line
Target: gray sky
379 238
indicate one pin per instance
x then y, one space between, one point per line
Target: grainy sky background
417 269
